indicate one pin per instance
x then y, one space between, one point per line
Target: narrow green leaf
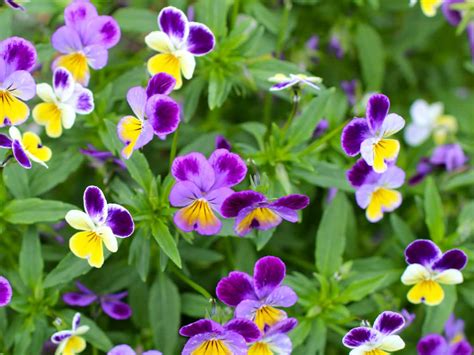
371 55
140 171
16 180
434 216
31 261
34 210
166 241
139 254
401 229
195 306
68 269
437 316
213 14
360 289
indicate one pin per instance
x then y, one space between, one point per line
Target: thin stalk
283 27
235 13
192 284
294 110
174 147
316 144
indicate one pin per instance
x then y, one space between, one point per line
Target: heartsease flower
208 337
111 303
378 340
26 148
376 192
252 210
101 157
61 103
125 349
429 7
201 187
283 81
102 223
70 342
155 113
428 268
17 60
257 297
178 42
274 339
369 136
84 40
5 292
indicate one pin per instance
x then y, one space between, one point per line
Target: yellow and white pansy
71 342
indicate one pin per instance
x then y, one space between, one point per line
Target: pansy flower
84 40
376 192
369 136
5 292
208 337
125 349
257 297
178 42
252 210
61 103
154 111
274 339
378 340
111 303
70 342
201 187
17 59
429 7
102 223
101 157
428 268
26 148
283 81
449 156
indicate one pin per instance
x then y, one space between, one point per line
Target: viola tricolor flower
201 187
178 42
257 297
369 136
5 292
208 337
25 148
376 192
429 7
274 339
61 103
428 268
101 157
70 342
454 343
423 168
252 210
283 81
17 60
84 40
125 349
409 317
378 340
101 224
111 303
449 156
155 113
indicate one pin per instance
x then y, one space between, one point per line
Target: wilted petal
200 40
229 168
240 200
245 328
423 252
18 54
268 274
163 114
119 220
377 110
174 23
161 83
199 327
353 135
116 309
235 288
95 204
194 167
389 322
6 292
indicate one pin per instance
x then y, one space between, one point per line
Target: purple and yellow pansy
6 291
62 102
257 298
155 113
178 42
370 136
70 342
17 60
274 339
84 40
252 210
429 268
201 187
102 223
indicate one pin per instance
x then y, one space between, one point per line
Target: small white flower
283 81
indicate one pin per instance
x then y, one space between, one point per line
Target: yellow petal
166 63
88 245
429 7
212 347
382 200
428 291
74 345
13 109
262 217
385 149
32 144
129 129
260 349
268 315
76 63
49 115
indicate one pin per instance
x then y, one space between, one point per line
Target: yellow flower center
76 63
268 315
212 347
12 110
260 349
376 352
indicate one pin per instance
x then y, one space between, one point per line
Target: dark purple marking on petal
432 344
422 251
84 102
358 336
60 336
116 309
119 220
355 132
61 78
161 83
76 320
377 109
452 259
195 168
200 40
389 322
268 274
14 5
245 328
293 201
77 12
235 288
18 53
454 17
95 203
240 200
223 143
359 173
199 327
20 155
229 168
108 31
461 348
282 327
5 142
163 114
6 292
174 23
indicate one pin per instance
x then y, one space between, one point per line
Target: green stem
191 283
235 13
174 147
289 121
316 144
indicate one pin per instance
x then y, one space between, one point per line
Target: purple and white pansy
70 342
6 292
369 136
257 298
274 339
282 81
380 339
125 349
252 210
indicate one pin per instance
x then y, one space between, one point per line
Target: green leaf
434 216
164 309
139 254
325 175
457 181
108 135
31 261
316 343
301 332
372 57
213 14
360 289
195 306
136 20
436 316
219 88
401 229
166 241
16 180
140 171
68 269
34 210
192 92
331 236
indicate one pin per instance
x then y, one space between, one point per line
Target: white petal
79 220
392 124
416 135
45 92
82 100
68 115
108 237
449 277
367 150
15 133
82 330
392 343
361 350
159 41
415 273
188 63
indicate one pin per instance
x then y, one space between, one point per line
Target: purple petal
103 31
353 135
282 296
123 349
174 23
195 168
264 218
461 348
78 12
470 37
58 337
223 143
216 197
76 320
268 274
14 5
432 344
5 142
21 84
234 342
235 288
294 202
247 309
359 173
246 328
286 213
422 251
200 40
152 352
6 292
393 178
116 309
66 40
79 299
119 220
358 336
83 288
389 322
184 193
18 54
199 327
63 83
97 56
240 200
82 100
283 85
163 114
452 259
453 327
20 155
161 83
95 204
450 155
454 17
282 327
377 110
229 168
117 296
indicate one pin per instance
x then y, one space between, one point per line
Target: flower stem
174 147
294 110
316 144
191 283
235 13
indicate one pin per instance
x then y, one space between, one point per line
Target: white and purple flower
274 339
283 81
70 342
6 292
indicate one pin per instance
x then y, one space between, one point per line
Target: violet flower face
84 40
100 157
252 210
6 292
257 297
125 349
450 156
201 187
231 338
274 339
